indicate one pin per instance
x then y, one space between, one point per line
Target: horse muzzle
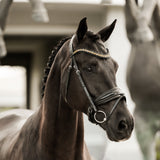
122 131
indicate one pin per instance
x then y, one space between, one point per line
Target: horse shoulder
27 145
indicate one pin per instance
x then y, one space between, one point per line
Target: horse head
88 82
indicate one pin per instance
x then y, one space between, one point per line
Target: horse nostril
122 125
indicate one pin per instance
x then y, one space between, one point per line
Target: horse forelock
92 36
96 44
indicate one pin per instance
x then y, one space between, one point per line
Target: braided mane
91 35
49 63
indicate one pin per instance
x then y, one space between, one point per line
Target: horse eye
89 69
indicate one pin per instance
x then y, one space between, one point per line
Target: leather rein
112 94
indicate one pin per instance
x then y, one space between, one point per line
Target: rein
106 97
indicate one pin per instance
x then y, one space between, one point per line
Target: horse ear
106 32
82 29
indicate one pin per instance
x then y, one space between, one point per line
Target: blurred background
30 43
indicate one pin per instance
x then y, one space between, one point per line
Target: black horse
80 78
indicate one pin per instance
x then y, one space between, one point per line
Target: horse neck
61 131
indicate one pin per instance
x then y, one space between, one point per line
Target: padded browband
91 52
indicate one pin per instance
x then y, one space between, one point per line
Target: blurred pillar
39 12
157 139
3 50
4 9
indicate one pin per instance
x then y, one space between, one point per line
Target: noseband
112 94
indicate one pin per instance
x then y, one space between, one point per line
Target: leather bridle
112 94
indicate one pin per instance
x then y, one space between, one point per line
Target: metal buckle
104 119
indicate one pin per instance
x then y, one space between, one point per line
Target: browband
91 52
